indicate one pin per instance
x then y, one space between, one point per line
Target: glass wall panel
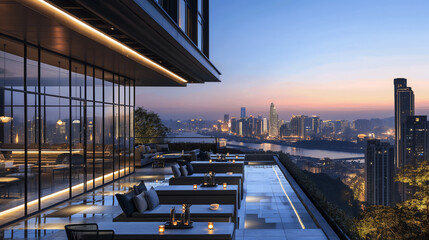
108 141
78 80
12 150
89 83
121 90
116 89
98 84
132 149
90 144
32 69
33 139
77 141
116 151
55 162
54 79
108 87
11 64
98 131
122 137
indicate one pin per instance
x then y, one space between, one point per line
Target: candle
161 228
224 185
174 223
233 160
236 156
210 161
227 154
210 226
195 186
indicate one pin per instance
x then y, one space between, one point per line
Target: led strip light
98 36
52 195
287 196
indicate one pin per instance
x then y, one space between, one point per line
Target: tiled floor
267 210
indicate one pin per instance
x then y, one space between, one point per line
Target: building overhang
44 24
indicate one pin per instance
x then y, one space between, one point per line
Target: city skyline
339 68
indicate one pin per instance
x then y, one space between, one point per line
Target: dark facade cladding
66 126
415 132
404 108
379 173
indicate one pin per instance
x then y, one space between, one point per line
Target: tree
407 220
147 125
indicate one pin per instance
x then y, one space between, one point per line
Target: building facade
68 74
274 122
415 133
404 107
379 173
297 126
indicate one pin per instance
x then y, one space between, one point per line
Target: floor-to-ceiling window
65 128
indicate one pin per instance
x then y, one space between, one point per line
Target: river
315 153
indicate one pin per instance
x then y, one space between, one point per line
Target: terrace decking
270 208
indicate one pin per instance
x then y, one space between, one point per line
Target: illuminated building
379 173
274 122
297 126
243 112
415 141
68 74
404 107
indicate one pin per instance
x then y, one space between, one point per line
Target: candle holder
210 226
224 185
210 161
233 160
195 186
161 228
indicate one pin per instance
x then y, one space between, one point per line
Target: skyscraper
404 107
297 126
379 173
265 126
243 112
226 118
274 122
415 141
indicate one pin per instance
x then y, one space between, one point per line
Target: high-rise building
379 173
415 141
234 127
404 107
243 112
297 126
274 122
315 124
226 118
265 126
240 128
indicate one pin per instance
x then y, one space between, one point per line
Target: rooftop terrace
270 208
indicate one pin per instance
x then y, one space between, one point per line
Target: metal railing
204 143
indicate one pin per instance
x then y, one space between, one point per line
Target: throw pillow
140 188
183 171
126 202
152 198
140 202
176 171
190 168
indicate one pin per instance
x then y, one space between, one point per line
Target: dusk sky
336 59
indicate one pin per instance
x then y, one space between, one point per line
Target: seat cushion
183 171
139 188
176 171
151 198
126 202
162 148
140 203
189 168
